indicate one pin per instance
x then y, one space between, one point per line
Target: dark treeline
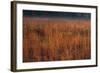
52 14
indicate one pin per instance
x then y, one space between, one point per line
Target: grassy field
46 39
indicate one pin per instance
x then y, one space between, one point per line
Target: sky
51 14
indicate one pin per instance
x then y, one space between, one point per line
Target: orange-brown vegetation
46 39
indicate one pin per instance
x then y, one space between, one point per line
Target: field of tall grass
46 39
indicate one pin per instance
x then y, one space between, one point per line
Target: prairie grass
46 39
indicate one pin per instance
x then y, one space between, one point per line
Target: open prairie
46 39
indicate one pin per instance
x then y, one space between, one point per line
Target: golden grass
56 39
